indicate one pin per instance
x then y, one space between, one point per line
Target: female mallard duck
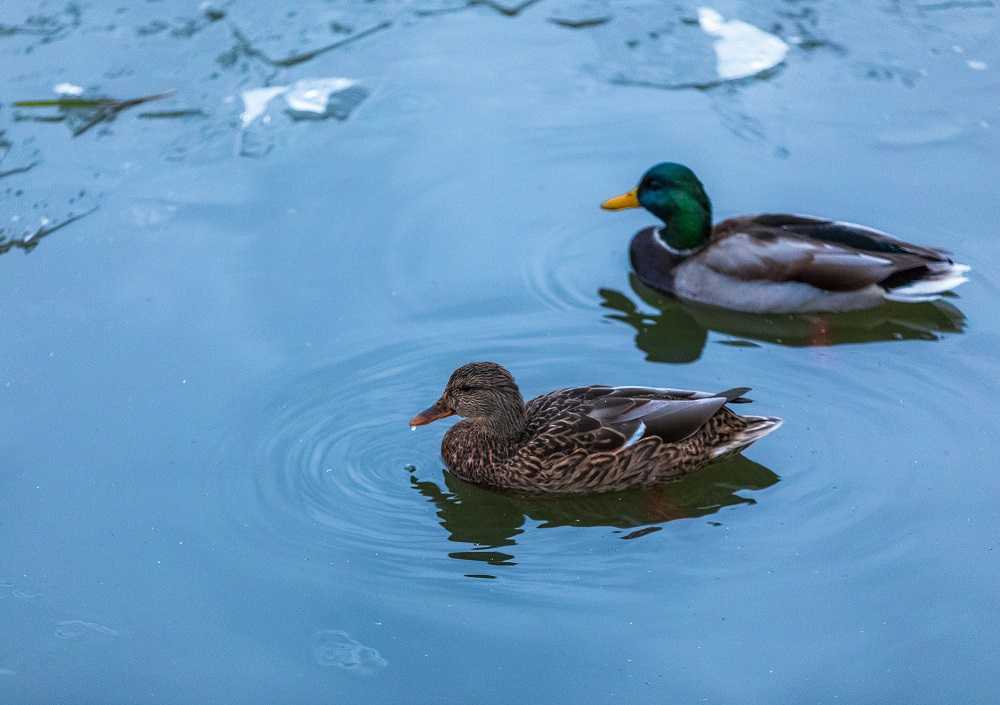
772 263
584 439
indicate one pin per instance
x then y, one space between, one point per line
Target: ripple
10 588
561 270
78 629
336 648
318 464
324 468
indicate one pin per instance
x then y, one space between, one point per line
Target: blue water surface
210 491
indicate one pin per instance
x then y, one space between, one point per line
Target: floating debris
28 162
506 10
957 5
888 72
184 27
581 23
150 28
29 241
85 113
47 27
440 8
580 15
246 47
212 12
19 169
168 114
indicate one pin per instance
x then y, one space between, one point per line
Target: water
211 491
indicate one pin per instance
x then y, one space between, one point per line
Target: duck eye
466 388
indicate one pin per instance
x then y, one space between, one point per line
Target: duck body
774 263
595 438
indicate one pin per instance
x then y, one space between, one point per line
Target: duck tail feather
930 286
735 395
754 428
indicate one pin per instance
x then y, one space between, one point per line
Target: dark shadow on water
677 331
489 521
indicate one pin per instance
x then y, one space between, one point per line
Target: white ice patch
741 49
256 100
312 95
68 89
306 98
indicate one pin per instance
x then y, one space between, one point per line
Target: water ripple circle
323 465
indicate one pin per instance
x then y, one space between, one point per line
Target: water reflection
489 521
677 331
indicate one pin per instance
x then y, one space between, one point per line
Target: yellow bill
626 200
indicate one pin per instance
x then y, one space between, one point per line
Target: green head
672 193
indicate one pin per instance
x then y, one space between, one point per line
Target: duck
583 440
773 263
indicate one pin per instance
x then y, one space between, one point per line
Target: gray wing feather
669 419
827 254
790 258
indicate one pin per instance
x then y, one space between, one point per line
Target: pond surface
210 490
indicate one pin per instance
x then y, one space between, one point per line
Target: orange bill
438 411
626 200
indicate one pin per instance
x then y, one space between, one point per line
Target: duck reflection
489 521
677 331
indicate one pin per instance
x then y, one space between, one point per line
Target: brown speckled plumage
584 439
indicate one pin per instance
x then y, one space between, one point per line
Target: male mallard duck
584 439
772 263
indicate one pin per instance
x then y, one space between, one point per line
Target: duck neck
505 425
688 227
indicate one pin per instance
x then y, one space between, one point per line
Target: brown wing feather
605 419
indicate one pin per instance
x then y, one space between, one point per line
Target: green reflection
489 520
677 331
